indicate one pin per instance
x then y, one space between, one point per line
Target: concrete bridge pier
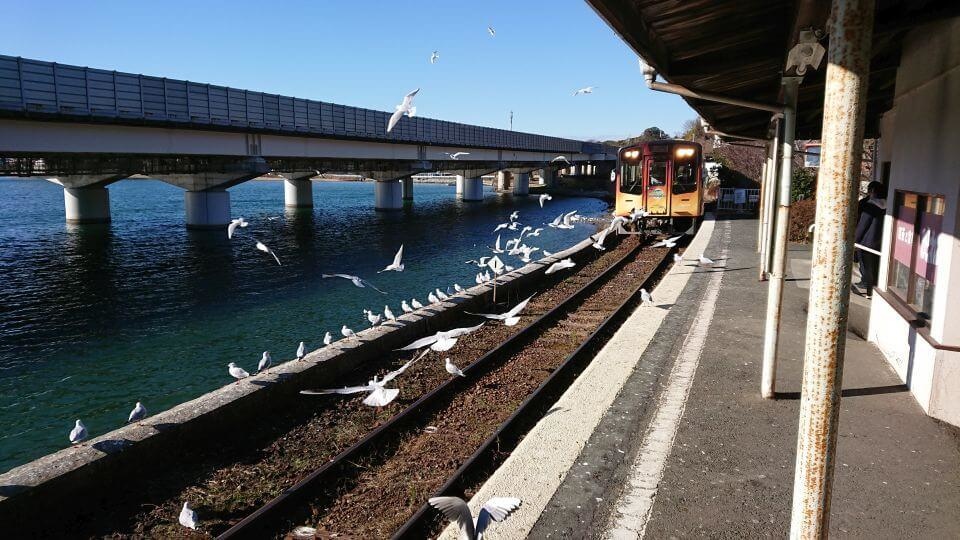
502 181
388 195
207 209
407 188
459 182
472 188
521 184
206 199
85 205
297 190
548 177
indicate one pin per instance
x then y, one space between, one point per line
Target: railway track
446 441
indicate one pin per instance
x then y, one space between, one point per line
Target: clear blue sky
369 54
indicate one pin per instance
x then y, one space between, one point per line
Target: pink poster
903 235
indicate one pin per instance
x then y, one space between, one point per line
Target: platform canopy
739 48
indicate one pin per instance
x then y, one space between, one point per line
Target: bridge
86 128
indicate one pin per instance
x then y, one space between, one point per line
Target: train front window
658 173
684 178
631 179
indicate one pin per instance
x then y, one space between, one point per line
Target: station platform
666 435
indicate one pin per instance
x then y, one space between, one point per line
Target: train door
657 185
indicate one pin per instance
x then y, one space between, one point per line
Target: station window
913 270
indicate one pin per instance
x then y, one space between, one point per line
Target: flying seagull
456 155
188 518
263 247
584 90
441 341
457 511
359 282
237 372
377 395
491 31
139 412
404 108
544 197
234 223
669 242
434 57
560 158
452 369
301 351
601 238
496 246
396 265
265 361
560 265
78 433
509 318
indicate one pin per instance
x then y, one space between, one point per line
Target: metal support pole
771 336
770 207
842 146
764 185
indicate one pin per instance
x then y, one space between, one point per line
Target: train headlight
684 152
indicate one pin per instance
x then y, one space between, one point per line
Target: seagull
646 298
374 320
265 362
434 57
509 318
441 341
441 295
432 298
396 265
601 238
139 412
547 253
457 511
78 433
237 372
457 288
388 314
515 215
188 518
677 259
638 213
704 261
496 246
347 332
501 226
584 90
560 265
479 279
416 304
456 155
406 107
567 219
560 158
491 31
377 395
452 369
327 339
543 198
556 221
262 247
535 232
234 223
301 351
669 242
358 281
450 291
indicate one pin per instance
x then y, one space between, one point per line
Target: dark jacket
870 222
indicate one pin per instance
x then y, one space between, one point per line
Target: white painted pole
848 72
771 194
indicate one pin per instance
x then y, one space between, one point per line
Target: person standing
870 212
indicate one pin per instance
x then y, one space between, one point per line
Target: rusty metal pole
763 202
771 338
774 169
848 69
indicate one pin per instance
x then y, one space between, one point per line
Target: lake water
95 318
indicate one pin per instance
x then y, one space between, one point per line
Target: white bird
432 298
301 351
491 31
510 317
404 108
677 259
347 332
560 158
452 369
374 319
513 225
265 361
327 339
584 90
388 314
377 395
669 242
406 307
565 221
704 261
547 253
139 412
638 213
441 341
188 517
416 304
543 198
263 247
527 251
78 433
457 511
396 265
456 155
535 232
441 295
234 223
237 372
479 279
560 265
450 291
434 57
646 299
501 226
496 246
600 239
457 288
359 282
515 215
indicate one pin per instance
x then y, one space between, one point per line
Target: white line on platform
537 467
632 511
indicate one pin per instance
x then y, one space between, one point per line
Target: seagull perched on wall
78 433
406 307
265 361
404 108
359 282
416 304
234 223
377 394
510 317
457 511
301 351
432 298
262 247
396 265
560 265
347 332
451 368
388 314
434 57
139 412
457 288
237 372
584 90
441 295
441 341
374 319
188 518
327 339
544 197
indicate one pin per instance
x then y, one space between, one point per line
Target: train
666 179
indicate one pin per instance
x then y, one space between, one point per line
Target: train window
631 179
684 178
658 173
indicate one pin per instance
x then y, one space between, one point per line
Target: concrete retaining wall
73 490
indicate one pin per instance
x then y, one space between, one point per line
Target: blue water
95 318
